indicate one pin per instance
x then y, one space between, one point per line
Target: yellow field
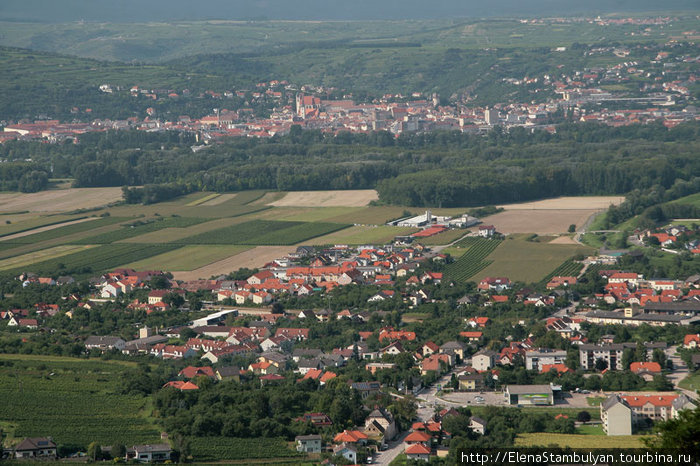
37 256
347 198
320 214
578 441
187 258
568 203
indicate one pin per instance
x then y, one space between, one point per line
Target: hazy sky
160 10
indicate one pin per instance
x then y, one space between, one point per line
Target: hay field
187 258
542 222
256 257
567 203
526 261
347 198
60 200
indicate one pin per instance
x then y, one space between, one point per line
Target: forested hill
169 10
432 169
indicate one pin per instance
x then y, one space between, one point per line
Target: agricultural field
186 258
250 259
140 227
41 255
474 259
61 231
568 203
22 222
60 200
74 401
98 259
526 261
568 269
364 234
227 448
316 214
541 221
347 198
578 441
265 232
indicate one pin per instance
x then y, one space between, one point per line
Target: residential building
308 443
535 359
616 416
36 448
483 360
149 453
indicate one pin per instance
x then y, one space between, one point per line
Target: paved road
680 371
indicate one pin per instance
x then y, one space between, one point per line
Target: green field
568 269
590 429
141 227
42 255
317 214
364 235
693 199
202 200
98 259
691 382
528 262
63 232
33 222
474 259
264 233
187 258
74 401
227 448
578 441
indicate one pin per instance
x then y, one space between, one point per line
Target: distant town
621 94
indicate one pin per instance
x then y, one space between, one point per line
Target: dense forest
446 169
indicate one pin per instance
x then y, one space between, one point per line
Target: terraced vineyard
473 260
568 269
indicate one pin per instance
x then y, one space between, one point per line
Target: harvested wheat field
565 203
59 200
347 198
542 222
256 257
